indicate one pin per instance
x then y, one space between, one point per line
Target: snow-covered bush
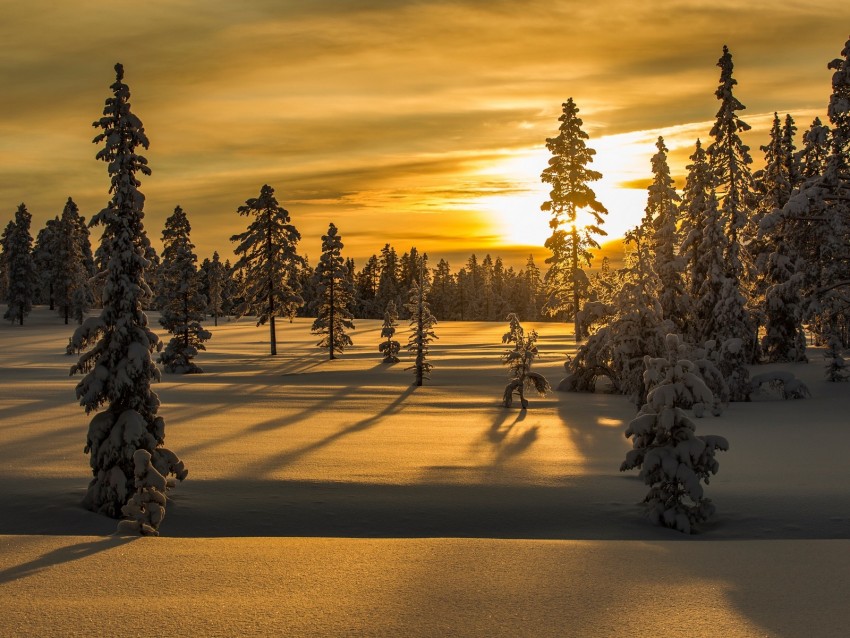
784 383
519 359
672 459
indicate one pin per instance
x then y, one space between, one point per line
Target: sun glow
517 193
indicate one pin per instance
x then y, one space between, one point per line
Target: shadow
499 435
63 555
276 462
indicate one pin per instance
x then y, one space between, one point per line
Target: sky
411 122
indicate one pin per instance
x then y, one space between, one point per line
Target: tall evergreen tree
733 183
181 304
45 263
20 268
216 287
267 252
5 244
335 293
661 213
569 176
816 145
128 437
389 347
694 214
71 283
422 324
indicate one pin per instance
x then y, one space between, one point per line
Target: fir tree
336 292
118 366
180 300
71 282
422 324
19 267
733 183
570 244
268 257
630 326
672 459
661 213
5 245
389 347
45 263
694 213
216 287
816 145
519 360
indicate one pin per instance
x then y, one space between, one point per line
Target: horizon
394 121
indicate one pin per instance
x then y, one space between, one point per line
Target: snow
333 498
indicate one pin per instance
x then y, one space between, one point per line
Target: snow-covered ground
333 498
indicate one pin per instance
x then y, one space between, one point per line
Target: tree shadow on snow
504 439
280 460
63 555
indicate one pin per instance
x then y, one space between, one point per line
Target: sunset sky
414 123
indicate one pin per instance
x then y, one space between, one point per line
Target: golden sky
410 122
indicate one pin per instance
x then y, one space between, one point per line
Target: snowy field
330 498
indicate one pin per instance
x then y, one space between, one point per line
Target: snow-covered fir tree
335 293
672 459
694 214
181 304
118 365
422 333
733 182
71 283
629 326
661 214
519 359
389 347
816 222
812 156
571 238
267 253
19 268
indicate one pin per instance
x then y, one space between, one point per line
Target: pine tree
672 459
45 263
422 324
5 245
20 268
180 301
733 183
216 287
389 348
816 145
629 326
118 366
268 256
335 293
71 277
661 213
570 245
519 360
694 214
775 281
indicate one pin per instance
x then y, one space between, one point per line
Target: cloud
380 112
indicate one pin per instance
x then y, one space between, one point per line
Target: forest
741 267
